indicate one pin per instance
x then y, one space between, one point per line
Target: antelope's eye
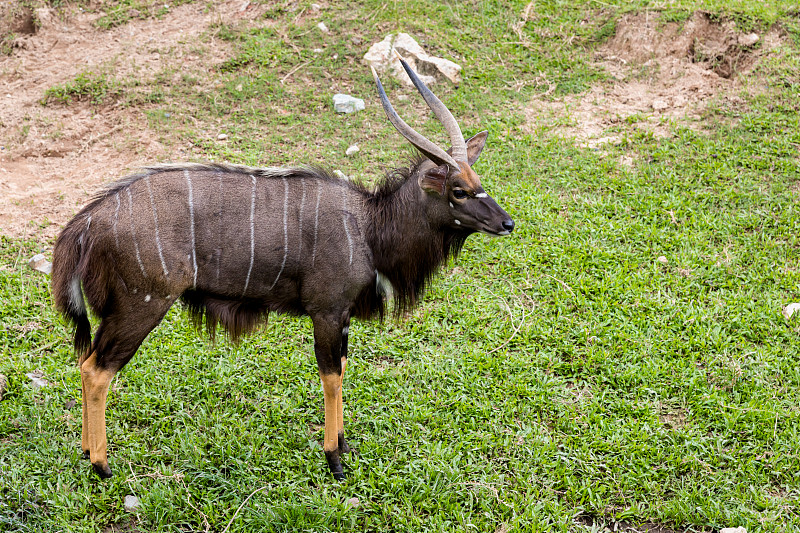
459 193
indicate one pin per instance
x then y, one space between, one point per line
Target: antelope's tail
69 262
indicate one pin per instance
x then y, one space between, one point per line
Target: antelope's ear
475 146
434 180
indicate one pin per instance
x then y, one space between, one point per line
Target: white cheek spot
458 222
451 205
147 298
481 195
504 232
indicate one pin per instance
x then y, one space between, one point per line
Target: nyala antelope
235 243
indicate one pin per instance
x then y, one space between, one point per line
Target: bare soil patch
662 72
54 157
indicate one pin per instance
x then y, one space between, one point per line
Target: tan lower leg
96 382
339 403
85 414
84 410
331 387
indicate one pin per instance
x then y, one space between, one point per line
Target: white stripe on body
133 232
155 224
316 225
116 217
300 222
219 222
345 216
191 227
285 230
252 234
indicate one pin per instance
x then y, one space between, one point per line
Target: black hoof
86 454
343 446
335 465
102 471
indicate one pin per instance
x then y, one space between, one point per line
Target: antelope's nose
508 225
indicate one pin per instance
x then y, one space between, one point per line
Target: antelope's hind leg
116 341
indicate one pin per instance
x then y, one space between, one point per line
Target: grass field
620 361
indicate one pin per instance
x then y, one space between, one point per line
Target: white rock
660 105
38 262
341 174
323 28
429 68
3 385
344 103
748 40
131 503
662 259
315 7
222 136
790 309
352 149
352 502
36 381
733 530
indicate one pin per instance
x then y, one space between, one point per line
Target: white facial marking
133 232
504 232
191 226
458 222
252 234
147 298
481 195
155 224
285 230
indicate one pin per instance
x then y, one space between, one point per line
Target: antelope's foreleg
332 390
95 382
84 410
328 336
342 443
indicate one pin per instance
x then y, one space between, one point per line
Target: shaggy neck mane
405 247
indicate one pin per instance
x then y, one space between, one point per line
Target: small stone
239 87
36 381
660 105
662 259
3 385
733 530
38 262
317 50
344 103
352 149
131 503
323 28
352 502
790 309
341 174
222 136
315 7
748 40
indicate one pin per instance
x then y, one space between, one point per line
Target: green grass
560 379
95 87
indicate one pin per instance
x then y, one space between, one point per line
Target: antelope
235 243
